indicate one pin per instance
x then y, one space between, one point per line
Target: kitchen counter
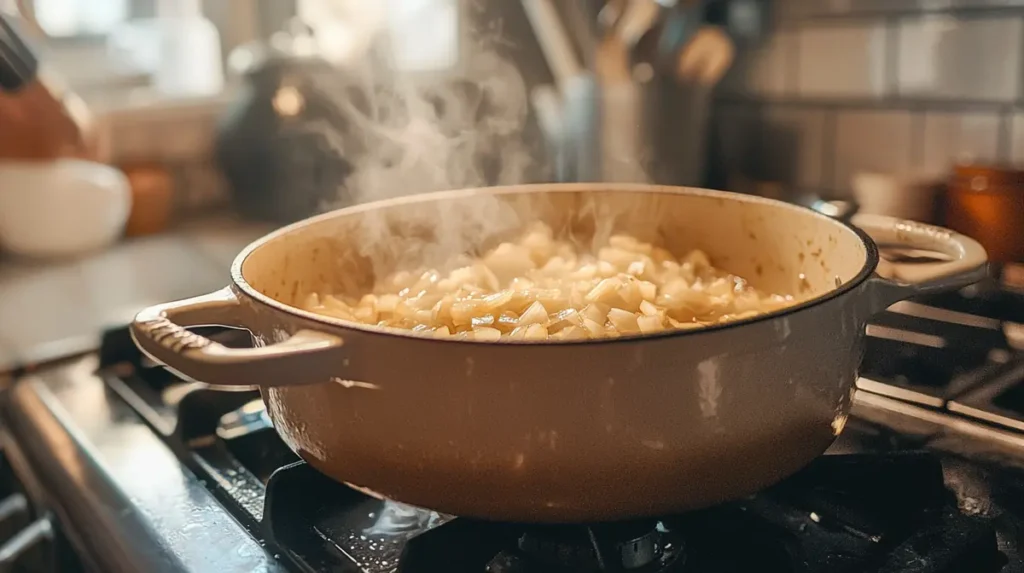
58 308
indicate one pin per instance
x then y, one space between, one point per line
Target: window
70 18
425 34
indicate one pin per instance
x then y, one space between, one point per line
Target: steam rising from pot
411 132
421 136
416 130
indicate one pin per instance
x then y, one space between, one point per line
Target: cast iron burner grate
640 546
860 513
870 510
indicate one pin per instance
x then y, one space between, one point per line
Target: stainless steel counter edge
128 501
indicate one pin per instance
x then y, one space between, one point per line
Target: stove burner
874 506
636 547
626 546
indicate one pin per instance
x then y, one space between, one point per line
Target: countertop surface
50 309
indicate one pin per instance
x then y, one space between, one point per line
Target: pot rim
866 271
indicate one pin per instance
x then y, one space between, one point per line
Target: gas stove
112 464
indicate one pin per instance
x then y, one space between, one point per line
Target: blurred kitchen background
905 107
893 86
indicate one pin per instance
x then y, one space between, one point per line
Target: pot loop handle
161 332
905 274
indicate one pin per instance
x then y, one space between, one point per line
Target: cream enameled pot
560 431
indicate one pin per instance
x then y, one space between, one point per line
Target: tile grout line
917 109
1020 64
791 62
895 104
1004 145
828 159
892 57
10 361
1004 139
857 17
918 127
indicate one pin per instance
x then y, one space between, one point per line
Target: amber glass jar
987 203
152 199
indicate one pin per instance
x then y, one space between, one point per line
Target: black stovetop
141 471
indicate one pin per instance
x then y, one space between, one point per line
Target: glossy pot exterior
579 432
563 432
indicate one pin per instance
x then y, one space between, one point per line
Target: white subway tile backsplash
764 70
1016 150
879 141
837 7
955 58
847 60
897 86
795 9
988 3
951 137
793 145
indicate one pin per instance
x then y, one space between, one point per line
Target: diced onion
542 288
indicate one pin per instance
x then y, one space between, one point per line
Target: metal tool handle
161 331
39 531
18 65
13 505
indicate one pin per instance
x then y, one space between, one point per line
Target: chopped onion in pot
541 288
